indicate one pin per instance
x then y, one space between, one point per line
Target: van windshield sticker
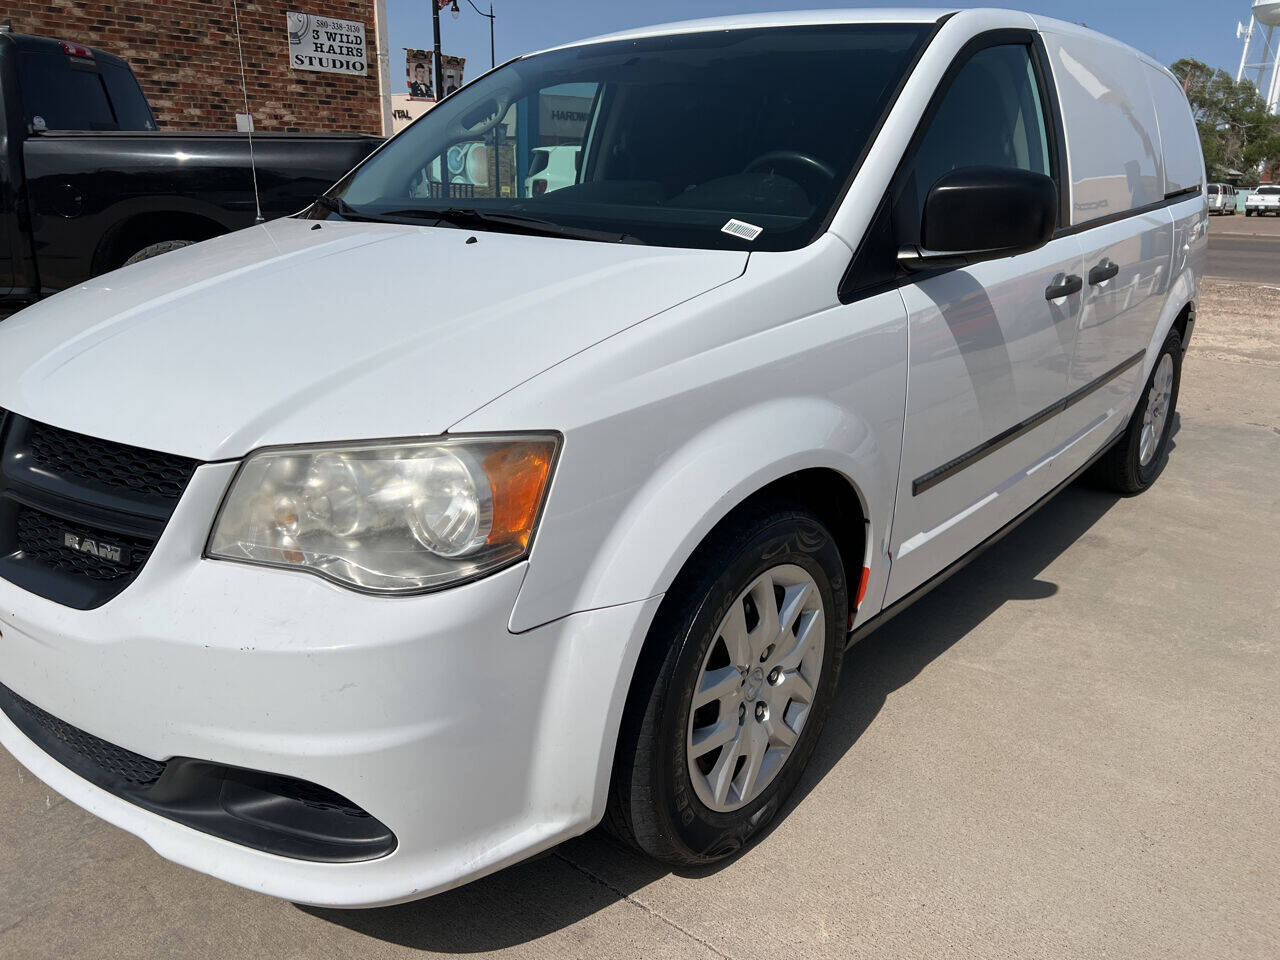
746 231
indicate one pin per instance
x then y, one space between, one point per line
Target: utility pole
438 60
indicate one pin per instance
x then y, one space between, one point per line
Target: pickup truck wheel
732 689
155 249
1133 464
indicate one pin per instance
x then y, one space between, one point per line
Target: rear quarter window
1179 139
127 100
1113 141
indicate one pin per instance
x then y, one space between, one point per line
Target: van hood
297 332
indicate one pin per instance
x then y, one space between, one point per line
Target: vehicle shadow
591 873
895 654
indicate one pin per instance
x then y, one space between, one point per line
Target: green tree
1236 131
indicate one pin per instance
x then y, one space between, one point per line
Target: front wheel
1133 464
732 689
155 249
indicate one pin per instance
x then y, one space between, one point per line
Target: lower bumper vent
265 811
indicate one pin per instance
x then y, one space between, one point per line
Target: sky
1204 29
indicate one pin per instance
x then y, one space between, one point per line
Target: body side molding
952 467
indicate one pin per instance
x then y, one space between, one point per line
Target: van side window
991 116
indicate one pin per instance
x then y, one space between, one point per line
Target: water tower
1266 17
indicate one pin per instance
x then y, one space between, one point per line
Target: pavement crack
623 895
22 919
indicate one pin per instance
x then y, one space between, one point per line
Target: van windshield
662 139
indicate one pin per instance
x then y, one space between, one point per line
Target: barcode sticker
746 231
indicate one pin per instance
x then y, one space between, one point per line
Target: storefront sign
327 44
563 118
406 109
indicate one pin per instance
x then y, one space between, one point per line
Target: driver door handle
1103 272
1063 285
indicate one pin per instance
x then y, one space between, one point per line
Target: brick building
185 55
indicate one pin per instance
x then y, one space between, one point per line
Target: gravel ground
1239 322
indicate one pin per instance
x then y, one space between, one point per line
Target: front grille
80 516
42 539
99 462
117 762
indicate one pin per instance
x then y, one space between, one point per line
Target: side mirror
983 213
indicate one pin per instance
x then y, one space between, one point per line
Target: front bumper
476 747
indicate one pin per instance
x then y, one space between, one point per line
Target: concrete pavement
1070 750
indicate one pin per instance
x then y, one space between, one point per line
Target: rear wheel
732 690
1139 456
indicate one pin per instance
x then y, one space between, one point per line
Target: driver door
988 345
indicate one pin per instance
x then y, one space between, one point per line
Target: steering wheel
801 161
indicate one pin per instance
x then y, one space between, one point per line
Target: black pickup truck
88 184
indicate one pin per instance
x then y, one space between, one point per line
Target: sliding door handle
1103 272
1063 285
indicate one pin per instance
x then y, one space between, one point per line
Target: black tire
653 805
1121 468
155 250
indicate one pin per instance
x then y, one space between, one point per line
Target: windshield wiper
343 209
471 217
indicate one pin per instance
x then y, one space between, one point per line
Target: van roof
796 18
783 18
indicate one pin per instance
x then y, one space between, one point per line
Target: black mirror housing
983 213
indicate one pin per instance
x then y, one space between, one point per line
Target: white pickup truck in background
1262 201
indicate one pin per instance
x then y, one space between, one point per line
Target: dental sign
327 44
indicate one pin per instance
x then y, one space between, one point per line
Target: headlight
388 517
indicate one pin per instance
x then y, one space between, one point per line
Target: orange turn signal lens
518 476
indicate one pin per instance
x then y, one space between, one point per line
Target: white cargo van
361 553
